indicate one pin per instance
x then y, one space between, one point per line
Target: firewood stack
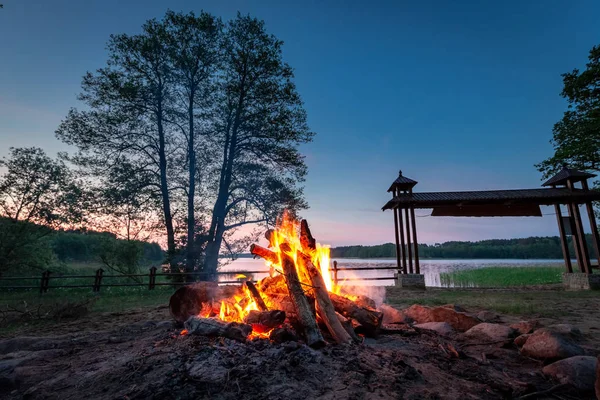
294 302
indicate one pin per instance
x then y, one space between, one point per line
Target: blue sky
458 94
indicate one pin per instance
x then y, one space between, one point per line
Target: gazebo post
563 239
397 240
402 246
585 266
575 235
593 225
408 244
582 242
414 231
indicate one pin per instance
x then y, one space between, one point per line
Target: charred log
267 319
191 300
270 235
324 306
305 315
216 328
260 303
369 319
349 327
283 334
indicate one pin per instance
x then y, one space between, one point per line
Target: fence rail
99 276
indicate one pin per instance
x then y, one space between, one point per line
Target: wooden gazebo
560 191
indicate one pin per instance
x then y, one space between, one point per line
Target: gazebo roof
402 182
567 174
540 196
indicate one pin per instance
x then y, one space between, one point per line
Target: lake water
430 268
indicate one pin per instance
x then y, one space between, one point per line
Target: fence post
335 271
45 281
98 280
152 280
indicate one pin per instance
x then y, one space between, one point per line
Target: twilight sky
459 95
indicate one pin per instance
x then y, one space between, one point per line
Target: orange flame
287 231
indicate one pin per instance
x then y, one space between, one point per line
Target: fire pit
298 300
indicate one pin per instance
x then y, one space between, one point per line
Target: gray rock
458 320
454 307
565 329
391 315
489 331
521 339
488 316
524 327
578 371
442 328
546 344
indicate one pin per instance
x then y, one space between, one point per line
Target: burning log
305 316
369 319
216 327
307 240
260 303
264 253
267 319
272 285
325 308
189 300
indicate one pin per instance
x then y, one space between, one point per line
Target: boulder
391 315
442 328
454 307
490 332
458 320
578 371
546 344
521 339
565 329
524 327
488 316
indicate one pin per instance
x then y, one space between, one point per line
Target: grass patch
502 277
35 309
527 303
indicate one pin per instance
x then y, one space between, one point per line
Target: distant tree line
27 248
527 248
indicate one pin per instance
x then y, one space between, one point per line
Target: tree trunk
191 220
220 209
211 261
164 189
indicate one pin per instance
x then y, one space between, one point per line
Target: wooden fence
99 279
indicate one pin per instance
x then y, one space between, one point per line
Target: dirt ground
139 354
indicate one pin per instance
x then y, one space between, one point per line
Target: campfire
297 301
